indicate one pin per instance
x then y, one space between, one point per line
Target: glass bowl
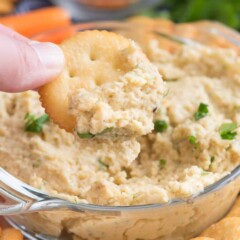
41 216
92 10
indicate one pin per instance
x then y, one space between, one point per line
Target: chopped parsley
212 159
170 79
193 140
75 199
85 135
204 173
106 130
37 163
103 164
227 132
34 124
160 126
134 196
202 111
162 163
89 135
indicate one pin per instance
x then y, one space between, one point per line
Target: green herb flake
34 124
160 126
37 163
212 159
162 163
202 111
136 195
204 173
89 135
170 79
75 200
106 130
103 164
85 135
166 93
227 132
193 140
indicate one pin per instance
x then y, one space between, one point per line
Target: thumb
26 64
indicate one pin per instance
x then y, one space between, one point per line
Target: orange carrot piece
56 37
61 34
29 24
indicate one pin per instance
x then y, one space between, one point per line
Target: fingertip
27 65
51 58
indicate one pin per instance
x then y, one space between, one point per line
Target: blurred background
225 11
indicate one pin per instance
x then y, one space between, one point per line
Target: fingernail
50 55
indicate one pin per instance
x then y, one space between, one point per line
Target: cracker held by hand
108 87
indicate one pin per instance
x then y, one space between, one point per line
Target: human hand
26 64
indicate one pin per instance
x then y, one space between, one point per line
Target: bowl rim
86 12
59 203
34 200
108 26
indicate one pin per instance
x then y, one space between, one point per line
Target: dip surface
189 149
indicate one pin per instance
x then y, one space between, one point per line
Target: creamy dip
187 151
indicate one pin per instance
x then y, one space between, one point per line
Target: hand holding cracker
26 64
107 88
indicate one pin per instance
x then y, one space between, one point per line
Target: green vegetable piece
160 126
34 124
85 135
202 111
227 131
103 164
37 163
162 163
204 173
89 135
106 130
193 140
212 159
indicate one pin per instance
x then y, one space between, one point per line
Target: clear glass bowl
92 10
41 216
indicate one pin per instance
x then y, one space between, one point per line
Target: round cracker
92 58
226 229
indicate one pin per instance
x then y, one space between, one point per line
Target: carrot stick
61 34
56 36
37 21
